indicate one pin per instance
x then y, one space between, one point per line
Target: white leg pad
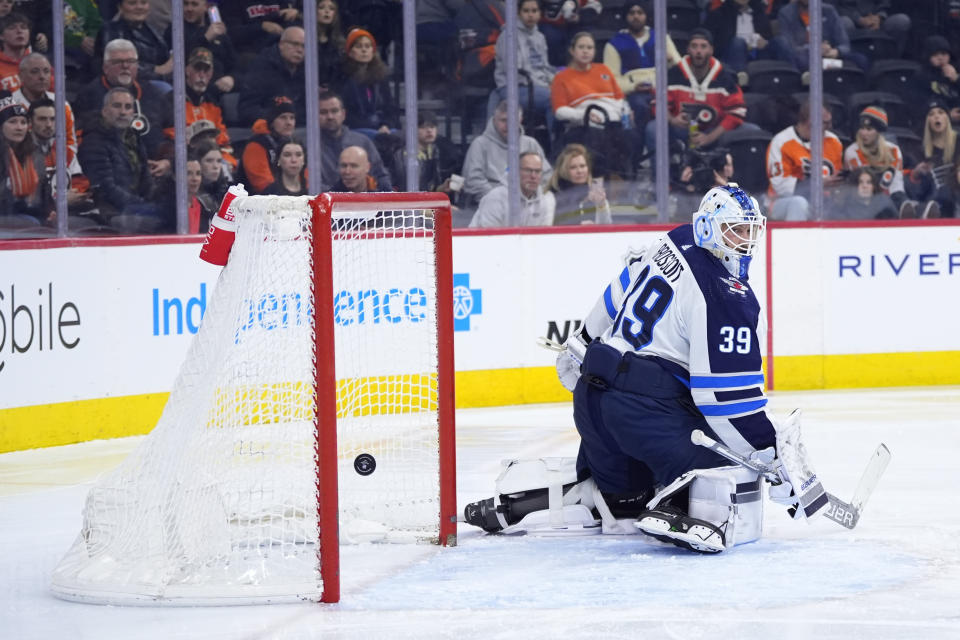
568 514
728 497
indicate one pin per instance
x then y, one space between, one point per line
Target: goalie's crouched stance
705 510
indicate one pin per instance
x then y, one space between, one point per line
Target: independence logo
466 302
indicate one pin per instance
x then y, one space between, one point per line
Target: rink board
92 334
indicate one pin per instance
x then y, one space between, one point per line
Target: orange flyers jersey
788 160
891 178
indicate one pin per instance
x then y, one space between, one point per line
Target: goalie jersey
679 306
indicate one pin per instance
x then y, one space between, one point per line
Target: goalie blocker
705 510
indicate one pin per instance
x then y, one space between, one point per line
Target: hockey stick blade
846 514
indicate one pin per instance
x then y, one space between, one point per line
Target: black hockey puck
364 464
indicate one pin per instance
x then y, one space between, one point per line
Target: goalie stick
846 514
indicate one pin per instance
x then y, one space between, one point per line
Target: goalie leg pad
539 497
707 510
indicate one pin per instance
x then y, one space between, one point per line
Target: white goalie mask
729 225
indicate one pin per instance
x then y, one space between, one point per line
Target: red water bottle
223 229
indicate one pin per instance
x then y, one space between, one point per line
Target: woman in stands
199 211
581 199
872 149
366 94
25 194
931 180
291 179
330 40
585 83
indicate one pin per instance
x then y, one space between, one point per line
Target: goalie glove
570 359
806 495
223 230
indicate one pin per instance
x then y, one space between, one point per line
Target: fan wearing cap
871 149
366 94
200 31
932 179
700 91
203 102
938 78
25 192
262 151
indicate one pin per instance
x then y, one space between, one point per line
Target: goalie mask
729 225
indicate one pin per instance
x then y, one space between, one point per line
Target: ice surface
897 575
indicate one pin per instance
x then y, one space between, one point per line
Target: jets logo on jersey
735 286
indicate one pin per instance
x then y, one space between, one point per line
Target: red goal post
324 208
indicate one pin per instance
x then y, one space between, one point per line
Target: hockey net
289 416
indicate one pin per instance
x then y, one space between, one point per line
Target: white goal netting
219 503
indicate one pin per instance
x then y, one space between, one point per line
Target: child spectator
262 150
865 200
870 149
366 94
215 179
531 59
155 61
291 167
200 32
198 216
579 198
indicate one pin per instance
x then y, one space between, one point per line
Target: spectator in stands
536 206
200 31
704 100
700 172
792 22
41 115
742 32
865 200
874 15
788 167
203 100
561 19
938 78
25 190
363 86
335 136
215 180
115 160
198 215
277 71
438 157
154 59
291 167
479 23
331 42
580 199
256 25
931 180
485 165
153 109
262 151
532 61
872 150
585 83
630 56
14 45
354 171
35 80
81 24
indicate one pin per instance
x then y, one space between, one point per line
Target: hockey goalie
669 349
